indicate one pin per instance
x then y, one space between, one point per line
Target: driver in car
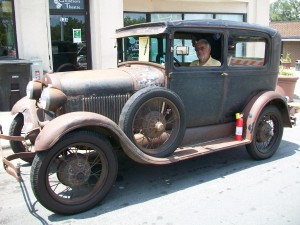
203 49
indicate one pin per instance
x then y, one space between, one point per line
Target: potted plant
286 61
286 82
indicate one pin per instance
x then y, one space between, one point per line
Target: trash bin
297 65
14 77
36 69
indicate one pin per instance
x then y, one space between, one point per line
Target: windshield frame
151 49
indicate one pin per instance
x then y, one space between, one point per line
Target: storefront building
79 34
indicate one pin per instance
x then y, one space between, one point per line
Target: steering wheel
177 63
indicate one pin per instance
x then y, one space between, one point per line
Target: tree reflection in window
7 32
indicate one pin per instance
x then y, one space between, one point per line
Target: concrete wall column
258 12
105 18
33 30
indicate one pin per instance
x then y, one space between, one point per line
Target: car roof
164 27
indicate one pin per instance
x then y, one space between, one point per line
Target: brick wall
292 47
289 30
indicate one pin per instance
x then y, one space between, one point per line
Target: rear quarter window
246 51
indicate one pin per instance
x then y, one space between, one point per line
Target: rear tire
75 174
267 134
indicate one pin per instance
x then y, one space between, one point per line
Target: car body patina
155 107
88 90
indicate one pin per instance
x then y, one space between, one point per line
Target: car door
201 88
248 69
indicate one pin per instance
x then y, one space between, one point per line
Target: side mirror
182 50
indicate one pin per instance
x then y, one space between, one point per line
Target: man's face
203 52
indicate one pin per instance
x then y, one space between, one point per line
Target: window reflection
7 32
134 18
160 17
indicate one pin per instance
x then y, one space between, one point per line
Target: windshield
142 48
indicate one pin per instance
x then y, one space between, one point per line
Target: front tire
267 134
16 129
75 174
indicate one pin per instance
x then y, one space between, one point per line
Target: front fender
23 104
66 123
28 108
255 106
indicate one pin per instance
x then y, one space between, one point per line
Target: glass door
7 30
69 36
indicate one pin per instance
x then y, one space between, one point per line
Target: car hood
125 79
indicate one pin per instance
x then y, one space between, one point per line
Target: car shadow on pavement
138 183
29 205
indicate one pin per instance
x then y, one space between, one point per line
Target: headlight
52 98
34 89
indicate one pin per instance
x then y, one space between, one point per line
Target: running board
183 153
206 148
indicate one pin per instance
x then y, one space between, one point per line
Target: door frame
200 83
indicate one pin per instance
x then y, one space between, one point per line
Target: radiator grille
109 106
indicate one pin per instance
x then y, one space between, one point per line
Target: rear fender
255 106
69 122
28 108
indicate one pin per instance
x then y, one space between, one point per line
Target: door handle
224 74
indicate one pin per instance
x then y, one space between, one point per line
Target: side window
143 48
246 50
197 49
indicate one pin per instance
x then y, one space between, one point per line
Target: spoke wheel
154 121
75 174
267 134
156 124
17 129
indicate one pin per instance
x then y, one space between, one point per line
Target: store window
131 18
70 35
7 30
161 17
192 16
134 18
233 17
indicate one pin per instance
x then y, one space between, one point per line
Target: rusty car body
154 107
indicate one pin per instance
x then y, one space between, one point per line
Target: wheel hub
154 124
265 132
75 170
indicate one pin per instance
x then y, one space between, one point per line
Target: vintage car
155 107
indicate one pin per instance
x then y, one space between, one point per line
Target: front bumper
9 167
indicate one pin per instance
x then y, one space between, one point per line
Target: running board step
206 148
188 152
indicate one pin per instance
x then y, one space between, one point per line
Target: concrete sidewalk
5 120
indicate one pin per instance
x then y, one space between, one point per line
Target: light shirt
210 62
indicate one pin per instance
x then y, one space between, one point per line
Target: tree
285 10
130 21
